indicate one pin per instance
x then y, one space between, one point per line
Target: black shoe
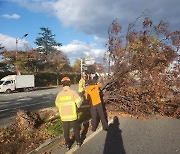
93 129
79 144
68 147
105 129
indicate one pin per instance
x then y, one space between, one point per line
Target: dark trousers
66 127
82 95
96 111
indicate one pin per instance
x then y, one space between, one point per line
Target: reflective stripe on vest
65 98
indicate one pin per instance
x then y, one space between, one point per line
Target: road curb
45 144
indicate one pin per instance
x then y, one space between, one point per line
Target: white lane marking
71 151
16 102
5 102
23 99
22 106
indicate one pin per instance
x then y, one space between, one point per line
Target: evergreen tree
2 65
46 41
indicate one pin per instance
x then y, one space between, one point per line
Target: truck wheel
8 91
26 89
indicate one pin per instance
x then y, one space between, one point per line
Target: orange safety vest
67 101
93 91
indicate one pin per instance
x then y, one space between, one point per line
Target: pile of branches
144 81
132 101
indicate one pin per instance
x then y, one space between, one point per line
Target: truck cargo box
23 81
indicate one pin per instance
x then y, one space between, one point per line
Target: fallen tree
146 68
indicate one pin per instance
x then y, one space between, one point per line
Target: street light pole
17 39
81 66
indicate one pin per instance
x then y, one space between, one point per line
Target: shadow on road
114 142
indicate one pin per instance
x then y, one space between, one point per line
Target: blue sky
80 25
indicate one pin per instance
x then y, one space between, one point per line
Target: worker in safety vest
67 101
92 94
82 86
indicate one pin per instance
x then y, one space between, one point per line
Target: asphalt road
33 100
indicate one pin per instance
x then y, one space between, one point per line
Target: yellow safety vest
67 102
82 85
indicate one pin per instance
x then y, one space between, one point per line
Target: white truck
17 82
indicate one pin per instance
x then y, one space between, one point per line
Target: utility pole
87 62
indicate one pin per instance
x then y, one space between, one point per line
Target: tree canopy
46 58
46 41
77 66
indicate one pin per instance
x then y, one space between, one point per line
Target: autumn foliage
146 69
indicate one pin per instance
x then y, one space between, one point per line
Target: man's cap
65 79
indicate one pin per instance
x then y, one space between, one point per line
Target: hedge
48 79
